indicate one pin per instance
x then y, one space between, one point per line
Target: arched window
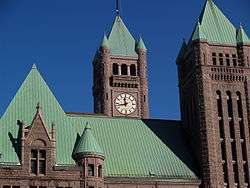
115 69
133 70
124 69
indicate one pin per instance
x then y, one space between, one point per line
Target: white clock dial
125 104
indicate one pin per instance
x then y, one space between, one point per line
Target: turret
90 157
142 72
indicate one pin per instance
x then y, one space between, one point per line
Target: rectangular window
91 170
214 58
227 60
38 162
6 186
221 59
234 60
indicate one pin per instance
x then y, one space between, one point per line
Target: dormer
38 146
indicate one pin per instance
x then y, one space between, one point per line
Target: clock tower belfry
120 86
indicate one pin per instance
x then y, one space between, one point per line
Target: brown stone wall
199 80
106 85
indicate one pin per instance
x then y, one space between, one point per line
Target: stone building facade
41 146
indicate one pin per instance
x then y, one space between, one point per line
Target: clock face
125 104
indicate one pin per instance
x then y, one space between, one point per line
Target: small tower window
234 60
100 171
115 69
214 58
133 70
221 59
227 60
91 170
124 69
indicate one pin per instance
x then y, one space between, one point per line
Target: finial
38 107
34 66
117 8
87 126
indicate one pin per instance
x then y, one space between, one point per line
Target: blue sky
61 37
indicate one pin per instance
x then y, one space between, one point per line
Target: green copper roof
120 39
198 33
88 144
215 26
130 146
105 42
242 37
141 44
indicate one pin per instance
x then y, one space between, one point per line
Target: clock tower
120 86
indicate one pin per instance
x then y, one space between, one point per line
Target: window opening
124 69
115 69
133 70
91 170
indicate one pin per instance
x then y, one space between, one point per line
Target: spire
121 42
117 8
87 144
198 33
216 26
34 66
105 42
141 44
242 37
182 51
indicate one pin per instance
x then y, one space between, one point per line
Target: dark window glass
234 153
225 173
244 152
133 70
235 169
42 154
34 154
91 170
246 172
38 162
115 69
6 186
34 166
223 151
239 105
124 69
234 60
15 186
221 59
42 166
99 171
214 58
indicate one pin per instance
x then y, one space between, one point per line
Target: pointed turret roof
105 42
215 25
242 37
141 44
121 42
87 144
198 33
182 51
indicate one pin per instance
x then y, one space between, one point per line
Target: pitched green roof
105 42
141 44
215 25
88 144
131 148
121 42
198 33
242 37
